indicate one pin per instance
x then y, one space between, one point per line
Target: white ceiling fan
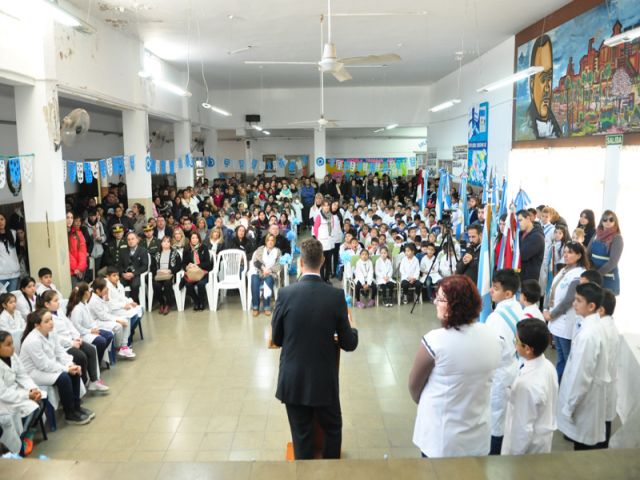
336 66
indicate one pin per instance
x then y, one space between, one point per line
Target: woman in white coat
48 364
325 225
451 376
558 305
11 319
18 395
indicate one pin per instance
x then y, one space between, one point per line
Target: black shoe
76 418
85 411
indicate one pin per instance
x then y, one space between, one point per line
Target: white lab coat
583 390
83 321
364 272
430 266
14 324
409 268
531 411
612 345
23 305
453 417
532 311
563 325
43 358
118 300
508 371
384 268
65 331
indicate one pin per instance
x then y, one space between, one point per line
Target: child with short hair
592 276
503 321
45 277
364 280
430 276
583 393
531 412
120 304
611 338
384 277
578 235
530 294
409 270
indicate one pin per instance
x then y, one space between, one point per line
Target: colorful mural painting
394 167
586 88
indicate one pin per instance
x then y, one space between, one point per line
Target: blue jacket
307 195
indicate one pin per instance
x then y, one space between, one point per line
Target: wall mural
586 88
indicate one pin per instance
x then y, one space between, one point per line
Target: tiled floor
202 389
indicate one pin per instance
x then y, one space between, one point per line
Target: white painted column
135 136
248 156
182 145
211 150
611 177
319 168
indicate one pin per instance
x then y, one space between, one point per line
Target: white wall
449 127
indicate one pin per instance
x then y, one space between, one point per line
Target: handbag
163 275
194 273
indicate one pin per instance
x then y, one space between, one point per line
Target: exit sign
614 140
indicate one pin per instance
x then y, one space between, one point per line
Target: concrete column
611 177
43 198
135 136
182 145
319 151
211 150
248 156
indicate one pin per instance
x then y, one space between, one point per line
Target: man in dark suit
134 261
306 318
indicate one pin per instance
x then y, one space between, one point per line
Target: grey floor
202 389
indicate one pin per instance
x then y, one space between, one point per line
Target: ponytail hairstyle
24 282
4 299
76 296
33 319
99 284
46 297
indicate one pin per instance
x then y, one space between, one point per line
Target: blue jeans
563 348
256 283
12 283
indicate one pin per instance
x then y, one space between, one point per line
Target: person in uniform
114 247
150 243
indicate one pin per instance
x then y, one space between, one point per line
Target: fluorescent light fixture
445 105
521 75
59 15
257 127
170 87
219 110
378 130
266 132
628 36
391 127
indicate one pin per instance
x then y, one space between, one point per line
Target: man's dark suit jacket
306 317
138 263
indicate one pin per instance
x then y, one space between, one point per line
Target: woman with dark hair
197 264
26 297
139 218
240 241
77 251
587 223
167 264
451 375
605 250
9 263
558 304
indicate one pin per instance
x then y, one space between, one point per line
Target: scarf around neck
606 235
329 218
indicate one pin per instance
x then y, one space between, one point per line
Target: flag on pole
503 199
485 267
463 209
421 195
444 199
522 200
505 258
494 195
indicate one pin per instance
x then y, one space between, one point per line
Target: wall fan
74 126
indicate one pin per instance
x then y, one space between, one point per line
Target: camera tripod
448 244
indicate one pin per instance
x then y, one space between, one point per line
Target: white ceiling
289 30
293 133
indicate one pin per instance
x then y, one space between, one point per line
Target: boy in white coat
531 412
409 270
612 344
582 396
119 303
503 321
530 294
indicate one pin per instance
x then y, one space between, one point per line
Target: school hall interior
443 137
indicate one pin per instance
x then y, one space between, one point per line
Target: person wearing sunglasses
605 250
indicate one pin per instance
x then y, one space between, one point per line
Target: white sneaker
98 386
126 352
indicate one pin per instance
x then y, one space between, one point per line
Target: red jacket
77 251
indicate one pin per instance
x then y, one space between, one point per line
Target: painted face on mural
541 82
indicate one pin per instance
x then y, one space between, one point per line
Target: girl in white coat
26 296
79 314
324 226
18 394
384 277
11 319
48 364
364 280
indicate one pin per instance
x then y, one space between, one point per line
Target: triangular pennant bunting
80 172
88 174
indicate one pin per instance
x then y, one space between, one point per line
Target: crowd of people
376 239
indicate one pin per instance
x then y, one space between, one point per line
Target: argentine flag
485 268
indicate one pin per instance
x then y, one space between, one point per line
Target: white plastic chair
179 293
146 282
213 279
230 270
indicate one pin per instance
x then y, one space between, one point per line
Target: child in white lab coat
531 412
120 304
612 345
409 273
11 319
583 394
503 321
384 277
429 271
364 280
530 294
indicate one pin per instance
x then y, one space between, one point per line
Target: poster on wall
478 140
394 167
460 159
585 87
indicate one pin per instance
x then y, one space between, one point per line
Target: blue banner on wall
478 140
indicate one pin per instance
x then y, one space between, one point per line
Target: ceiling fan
336 66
